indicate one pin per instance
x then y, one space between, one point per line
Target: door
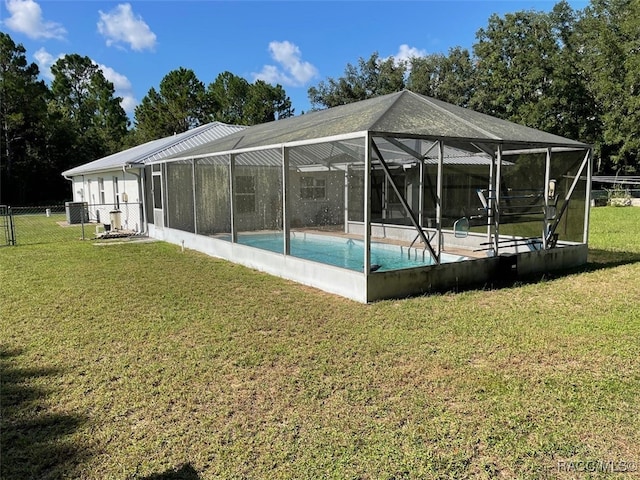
158 198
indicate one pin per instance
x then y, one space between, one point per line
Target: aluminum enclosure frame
368 286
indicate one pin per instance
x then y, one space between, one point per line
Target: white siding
86 189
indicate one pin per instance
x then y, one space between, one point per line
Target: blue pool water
343 252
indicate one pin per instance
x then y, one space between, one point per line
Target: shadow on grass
34 441
185 472
596 260
599 259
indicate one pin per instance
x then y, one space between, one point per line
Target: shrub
619 196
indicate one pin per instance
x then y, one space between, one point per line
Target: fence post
12 230
6 224
82 219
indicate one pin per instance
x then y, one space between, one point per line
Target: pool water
344 252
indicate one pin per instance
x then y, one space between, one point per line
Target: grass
34 227
137 361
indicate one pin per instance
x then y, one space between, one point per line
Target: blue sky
294 43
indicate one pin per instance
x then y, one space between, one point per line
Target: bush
619 196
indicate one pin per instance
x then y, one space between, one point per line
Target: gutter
71 180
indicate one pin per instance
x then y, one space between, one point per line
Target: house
392 196
116 184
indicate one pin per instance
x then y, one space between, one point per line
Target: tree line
78 118
575 73
572 73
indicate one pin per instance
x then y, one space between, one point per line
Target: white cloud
406 53
121 83
26 17
121 25
129 104
122 86
292 71
44 60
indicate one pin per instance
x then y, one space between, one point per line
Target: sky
295 44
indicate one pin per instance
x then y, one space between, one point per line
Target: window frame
116 193
245 194
309 192
101 193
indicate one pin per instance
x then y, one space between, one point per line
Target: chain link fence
72 221
7 230
618 196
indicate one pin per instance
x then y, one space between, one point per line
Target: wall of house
104 194
326 209
212 204
258 198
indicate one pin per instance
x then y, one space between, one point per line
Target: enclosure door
156 188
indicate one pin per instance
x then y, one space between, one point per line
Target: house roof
157 149
402 114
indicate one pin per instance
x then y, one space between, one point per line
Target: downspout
73 193
143 216
71 180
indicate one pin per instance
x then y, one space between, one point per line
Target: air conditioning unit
77 212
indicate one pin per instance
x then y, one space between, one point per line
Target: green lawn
137 361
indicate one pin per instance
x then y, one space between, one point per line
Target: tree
574 108
242 103
22 116
234 100
266 103
449 78
85 99
179 105
227 96
370 78
183 103
528 71
514 69
608 33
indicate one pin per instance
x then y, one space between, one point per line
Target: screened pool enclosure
384 198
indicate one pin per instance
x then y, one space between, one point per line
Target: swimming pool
344 252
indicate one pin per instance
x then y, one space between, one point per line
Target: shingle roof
157 149
399 114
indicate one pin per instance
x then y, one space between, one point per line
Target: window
245 194
157 191
101 190
116 192
313 188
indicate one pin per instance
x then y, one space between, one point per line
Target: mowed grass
137 360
